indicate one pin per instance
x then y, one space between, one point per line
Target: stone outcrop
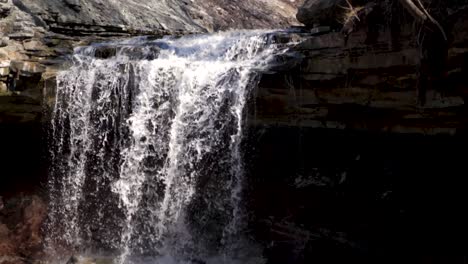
36 36
369 79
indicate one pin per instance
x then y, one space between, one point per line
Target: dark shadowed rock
378 194
369 83
321 12
105 52
326 12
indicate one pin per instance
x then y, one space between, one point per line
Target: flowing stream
146 149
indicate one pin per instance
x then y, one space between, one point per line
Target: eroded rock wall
370 78
36 36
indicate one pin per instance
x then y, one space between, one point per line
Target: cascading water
146 148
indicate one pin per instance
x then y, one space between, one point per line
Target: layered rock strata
37 36
369 78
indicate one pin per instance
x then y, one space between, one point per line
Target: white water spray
146 151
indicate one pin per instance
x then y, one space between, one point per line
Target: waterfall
146 148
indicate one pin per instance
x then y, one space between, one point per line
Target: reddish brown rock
20 233
28 234
7 247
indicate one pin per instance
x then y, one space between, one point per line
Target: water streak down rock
146 149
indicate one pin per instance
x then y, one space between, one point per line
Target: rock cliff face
382 74
36 36
342 167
